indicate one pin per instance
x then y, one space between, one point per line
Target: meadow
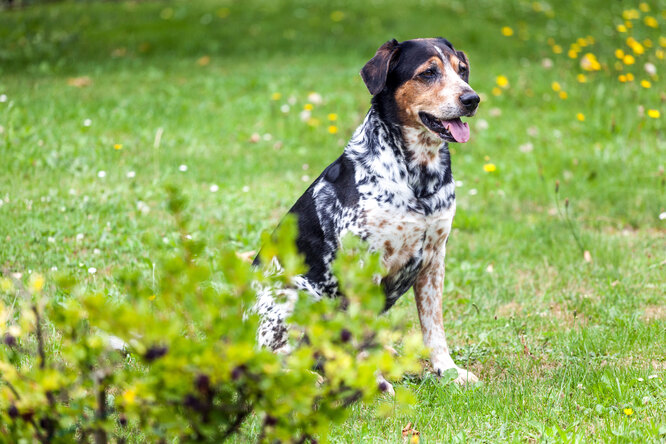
556 266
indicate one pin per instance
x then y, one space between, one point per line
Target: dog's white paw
465 377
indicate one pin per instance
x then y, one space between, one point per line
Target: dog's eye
428 73
462 69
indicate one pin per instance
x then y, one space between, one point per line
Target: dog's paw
384 386
465 377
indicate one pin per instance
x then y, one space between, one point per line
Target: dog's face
423 84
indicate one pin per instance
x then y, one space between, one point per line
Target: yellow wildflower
662 41
644 7
630 77
628 59
36 283
556 86
580 41
630 14
312 121
628 24
507 31
129 396
619 53
332 117
6 285
621 28
651 22
118 146
276 96
638 48
563 95
502 81
653 113
646 83
557 49
622 78
647 43
332 129
581 78
572 54
489 168
580 117
308 107
628 411
496 91
151 297
660 54
589 62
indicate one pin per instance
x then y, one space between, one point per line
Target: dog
393 187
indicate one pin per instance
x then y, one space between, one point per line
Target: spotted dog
393 187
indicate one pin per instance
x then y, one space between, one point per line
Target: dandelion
332 129
630 77
129 396
589 62
489 167
644 7
502 81
581 42
276 96
36 284
308 107
653 113
151 297
646 83
660 54
572 54
662 41
638 48
647 43
496 91
628 59
622 78
630 14
118 146
332 117
507 31
563 95
580 117
628 411
651 22
621 28
557 49
581 78
556 86
619 54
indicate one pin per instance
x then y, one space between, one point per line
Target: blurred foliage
188 367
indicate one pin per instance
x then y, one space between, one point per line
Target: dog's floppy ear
375 71
463 58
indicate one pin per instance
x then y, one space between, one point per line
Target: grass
563 344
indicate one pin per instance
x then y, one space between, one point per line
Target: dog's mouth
453 130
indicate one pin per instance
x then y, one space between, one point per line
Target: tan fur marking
388 248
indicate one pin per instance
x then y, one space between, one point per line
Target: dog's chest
409 239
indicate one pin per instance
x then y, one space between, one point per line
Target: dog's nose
470 100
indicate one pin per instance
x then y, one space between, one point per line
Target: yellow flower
580 41
118 146
332 129
276 96
589 62
628 24
502 81
630 77
651 22
556 86
644 7
581 78
489 168
628 59
308 107
151 297
628 412
662 41
312 121
129 396
621 28
630 14
580 117
496 91
563 95
507 31
646 83
647 43
638 48
36 283
6 285
619 53
660 54
332 117
622 78
590 40
557 49
653 113
572 54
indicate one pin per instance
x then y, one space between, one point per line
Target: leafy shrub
189 368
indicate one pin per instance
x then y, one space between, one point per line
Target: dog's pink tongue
458 129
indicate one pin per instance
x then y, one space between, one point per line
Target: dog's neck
402 154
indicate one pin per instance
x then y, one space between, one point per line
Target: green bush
190 369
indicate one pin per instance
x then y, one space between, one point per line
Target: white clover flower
131 174
87 122
101 174
182 168
92 270
214 188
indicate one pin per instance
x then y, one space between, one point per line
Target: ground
556 275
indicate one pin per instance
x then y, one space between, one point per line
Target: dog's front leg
428 290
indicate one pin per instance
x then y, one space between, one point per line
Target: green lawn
103 104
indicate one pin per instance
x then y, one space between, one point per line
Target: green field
556 267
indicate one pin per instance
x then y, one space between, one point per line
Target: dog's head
423 84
